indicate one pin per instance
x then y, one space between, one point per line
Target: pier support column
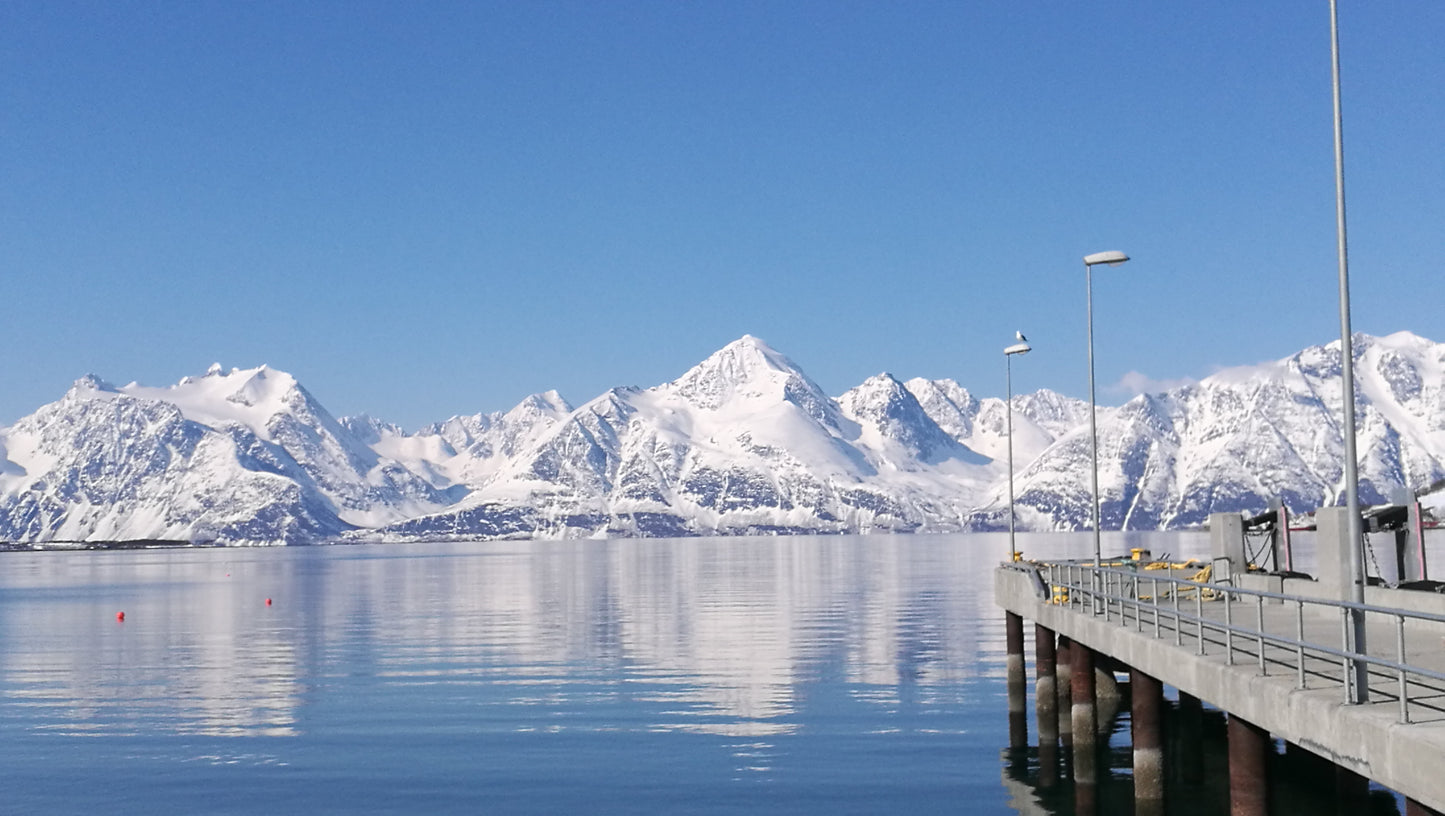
1191 739
1046 704
1064 676
1083 714
1146 731
1018 723
1046 695
1413 808
1352 791
1249 747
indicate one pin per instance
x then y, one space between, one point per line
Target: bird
1020 336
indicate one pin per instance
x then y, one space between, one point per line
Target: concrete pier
1018 722
1183 643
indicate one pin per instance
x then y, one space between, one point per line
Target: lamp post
1109 258
1359 692
1021 347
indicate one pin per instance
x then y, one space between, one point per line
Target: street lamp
1359 691
1110 258
1021 347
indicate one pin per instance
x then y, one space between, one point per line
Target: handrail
1094 590
1238 590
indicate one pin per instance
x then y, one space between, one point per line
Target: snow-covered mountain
742 443
1244 435
246 456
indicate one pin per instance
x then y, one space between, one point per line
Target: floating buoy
268 601
120 616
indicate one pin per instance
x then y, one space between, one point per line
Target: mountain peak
749 371
90 383
894 412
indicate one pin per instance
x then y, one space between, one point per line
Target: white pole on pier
1109 258
1021 347
1360 691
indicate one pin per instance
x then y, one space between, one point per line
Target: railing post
1154 593
1138 606
1345 662
1103 583
1299 639
1178 621
1259 618
1228 630
1400 658
1199 615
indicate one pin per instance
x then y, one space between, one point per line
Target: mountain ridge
742 443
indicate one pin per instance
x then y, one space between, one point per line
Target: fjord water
757 675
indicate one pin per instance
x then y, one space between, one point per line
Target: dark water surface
744 675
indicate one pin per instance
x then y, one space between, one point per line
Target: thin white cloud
1135 383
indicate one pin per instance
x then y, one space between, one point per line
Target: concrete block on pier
1334 551
1226 540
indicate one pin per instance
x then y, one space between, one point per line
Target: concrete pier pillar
1352 791
1064 675
1083 714
1108 699
1046 704
1413 808
1147 733
1249 749
1018 723
1190 744
1046 695
1086 799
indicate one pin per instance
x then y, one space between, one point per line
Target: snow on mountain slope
239 456
467 451
1245 435
744 442
896 429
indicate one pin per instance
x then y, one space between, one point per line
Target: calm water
790 675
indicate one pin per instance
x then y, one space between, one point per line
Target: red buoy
268 601
120 616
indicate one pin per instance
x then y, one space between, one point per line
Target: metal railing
1164 606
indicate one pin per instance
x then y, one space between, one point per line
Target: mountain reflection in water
838 672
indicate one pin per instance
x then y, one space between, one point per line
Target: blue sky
426 209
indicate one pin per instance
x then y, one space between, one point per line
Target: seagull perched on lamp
1020 336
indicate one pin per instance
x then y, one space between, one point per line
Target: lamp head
1112 257
1018 348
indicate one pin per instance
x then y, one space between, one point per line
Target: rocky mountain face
744 443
